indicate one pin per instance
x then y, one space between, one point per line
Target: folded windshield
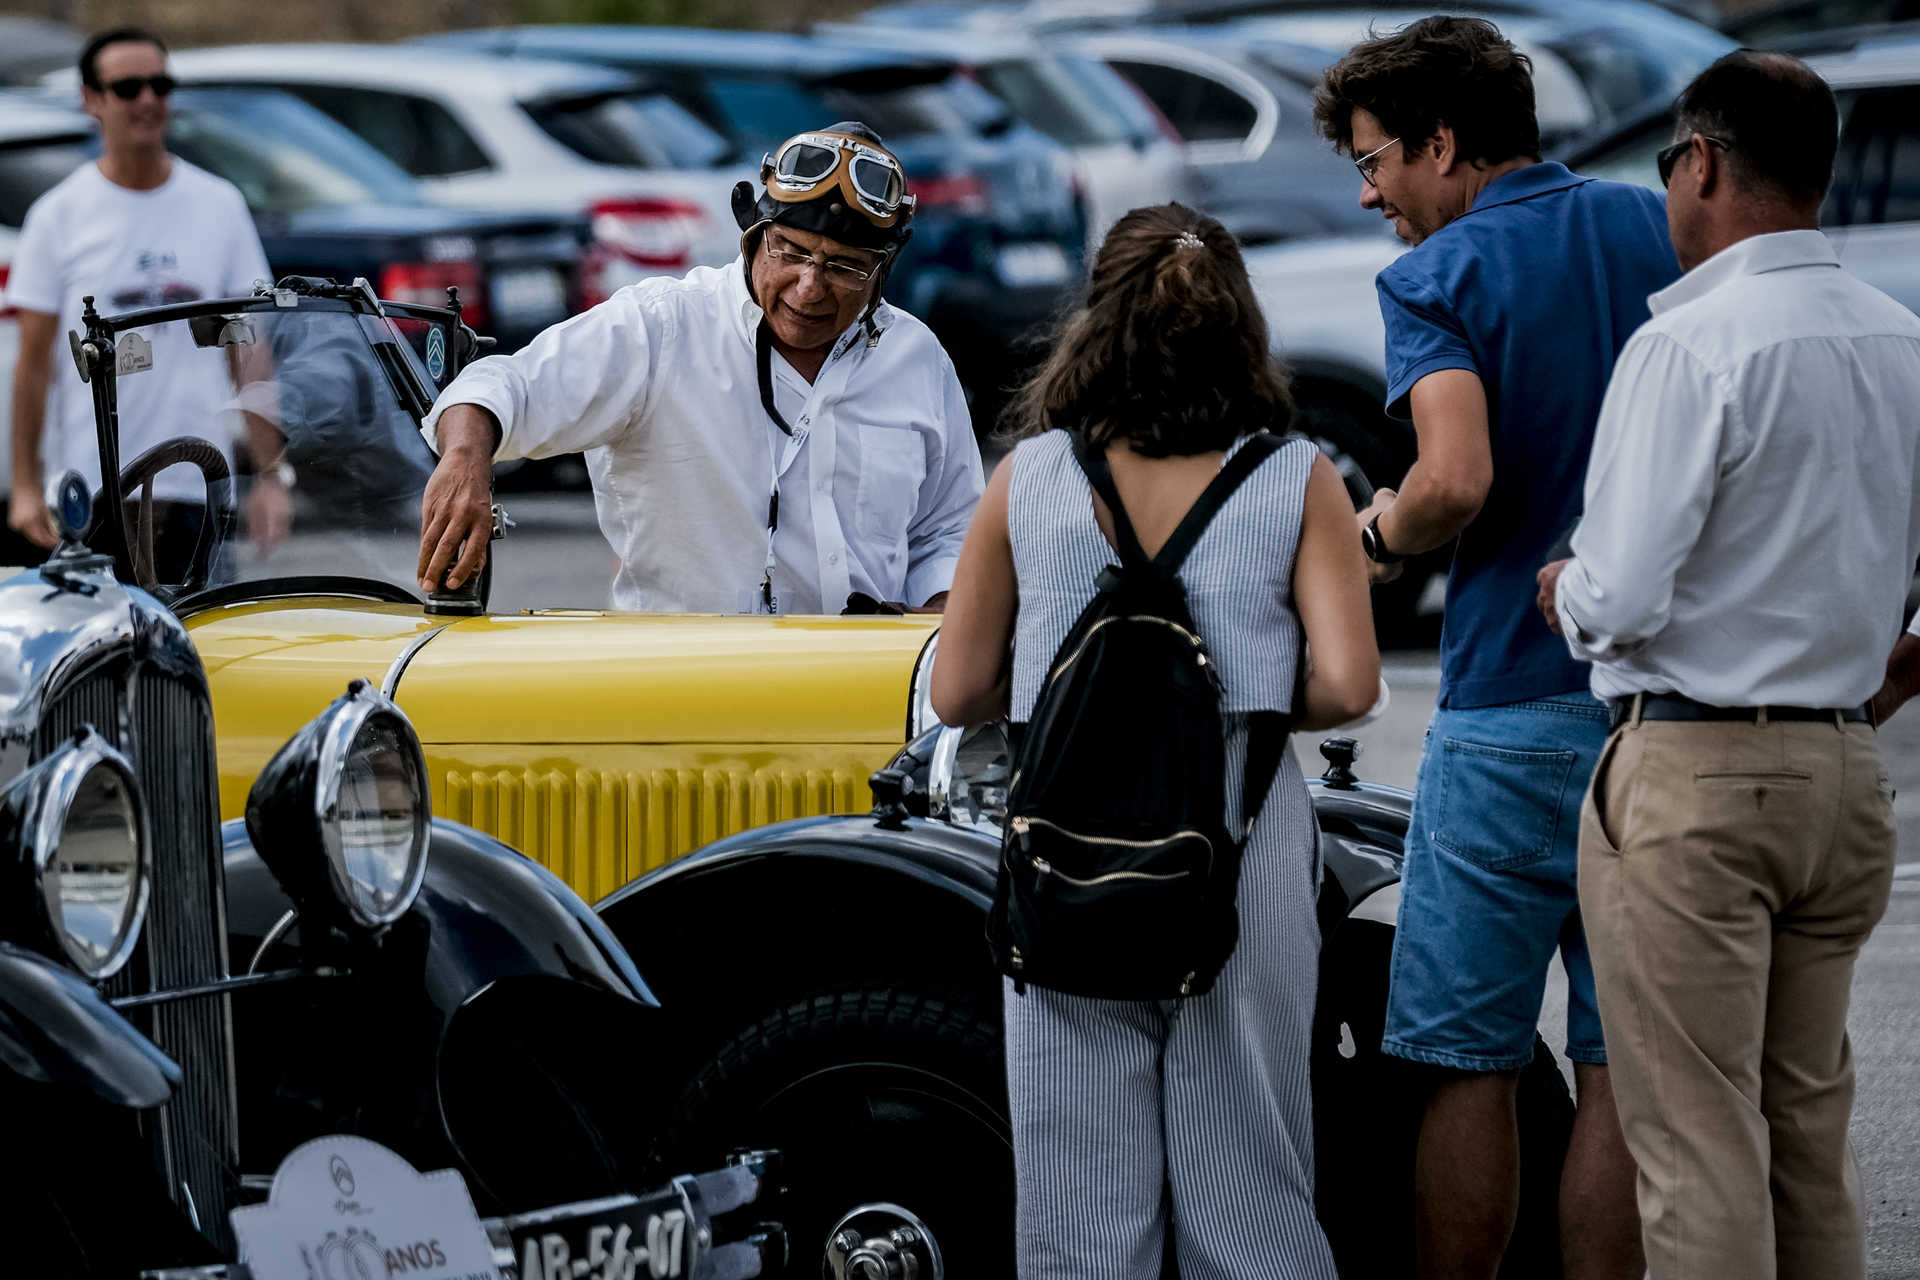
316 410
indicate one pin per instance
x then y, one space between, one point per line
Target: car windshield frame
407 379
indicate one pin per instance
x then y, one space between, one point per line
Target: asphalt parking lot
556 558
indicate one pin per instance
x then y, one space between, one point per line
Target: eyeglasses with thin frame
839 272
127 88
1369 163
1668 157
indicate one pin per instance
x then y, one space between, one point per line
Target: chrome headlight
969 776
341 814
920 717
80 816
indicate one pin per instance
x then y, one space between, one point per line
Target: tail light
654 233
426 283
963 193
7 310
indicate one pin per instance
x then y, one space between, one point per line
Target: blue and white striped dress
1126 1118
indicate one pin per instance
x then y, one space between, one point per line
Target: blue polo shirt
1535 288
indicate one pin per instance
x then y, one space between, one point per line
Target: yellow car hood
664 678
601 744
561 677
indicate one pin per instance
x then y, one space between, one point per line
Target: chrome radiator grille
170 726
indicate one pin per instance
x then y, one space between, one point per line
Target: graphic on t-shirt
162 287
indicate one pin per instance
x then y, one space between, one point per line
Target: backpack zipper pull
1018 964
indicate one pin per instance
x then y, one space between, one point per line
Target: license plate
1040 262
623 1238
528 295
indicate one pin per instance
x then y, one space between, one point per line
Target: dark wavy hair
1460 72
1168 353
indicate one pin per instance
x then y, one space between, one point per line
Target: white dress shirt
1751 522
659 386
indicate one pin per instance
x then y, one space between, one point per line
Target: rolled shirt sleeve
580 384
948 495
1664 427
1423 334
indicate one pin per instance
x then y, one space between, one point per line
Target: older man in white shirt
1737 580
767 436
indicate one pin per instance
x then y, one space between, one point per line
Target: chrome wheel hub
882 1242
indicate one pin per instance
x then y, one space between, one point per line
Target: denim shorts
1488 889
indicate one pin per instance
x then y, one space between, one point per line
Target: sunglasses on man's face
127 88
1668 157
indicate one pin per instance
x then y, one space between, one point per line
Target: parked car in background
1258 164
1814 26
999 233
484 133
1126 154
1872 212
31 47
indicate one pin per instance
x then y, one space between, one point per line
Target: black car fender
740 927
486 990
56 1029
488 912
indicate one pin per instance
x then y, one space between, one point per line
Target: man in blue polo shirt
1503 324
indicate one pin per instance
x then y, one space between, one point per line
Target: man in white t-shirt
138 228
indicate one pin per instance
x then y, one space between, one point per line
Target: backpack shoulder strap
1259 447
1100 476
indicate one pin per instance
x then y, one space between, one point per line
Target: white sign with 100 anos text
344 1208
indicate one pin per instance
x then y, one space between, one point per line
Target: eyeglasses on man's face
1370 162
127 88
841 273
1670 156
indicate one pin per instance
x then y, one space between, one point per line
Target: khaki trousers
1729 874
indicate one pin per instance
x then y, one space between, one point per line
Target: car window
1631 158
272 175
639 130
1044 95
420 136
273 120
1877 173
29 169
1200 107
760 114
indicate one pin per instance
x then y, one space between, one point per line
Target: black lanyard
763 345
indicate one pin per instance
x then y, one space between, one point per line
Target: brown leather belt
1674 706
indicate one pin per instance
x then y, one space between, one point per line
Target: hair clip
1188 240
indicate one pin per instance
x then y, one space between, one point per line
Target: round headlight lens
94 880
376 826
968 779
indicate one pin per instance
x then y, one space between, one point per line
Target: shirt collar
743 308
1775 251
1525 184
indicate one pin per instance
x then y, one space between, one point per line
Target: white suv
485 132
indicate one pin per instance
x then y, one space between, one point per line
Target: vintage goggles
869 176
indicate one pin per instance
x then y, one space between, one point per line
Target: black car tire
869 1095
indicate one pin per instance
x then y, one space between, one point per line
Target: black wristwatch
1376 546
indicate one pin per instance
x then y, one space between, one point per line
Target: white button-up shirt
659 386
1751 520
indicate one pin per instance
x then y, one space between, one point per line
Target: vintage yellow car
774 784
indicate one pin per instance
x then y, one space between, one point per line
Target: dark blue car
999 239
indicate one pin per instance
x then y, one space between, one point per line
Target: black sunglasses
127 88
1670 156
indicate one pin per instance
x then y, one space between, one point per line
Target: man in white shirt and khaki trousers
1737 581
763 437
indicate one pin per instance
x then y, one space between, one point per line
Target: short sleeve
34 283
1424 335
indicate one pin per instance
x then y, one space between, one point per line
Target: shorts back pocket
1499 807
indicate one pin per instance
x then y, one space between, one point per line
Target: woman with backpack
1150 646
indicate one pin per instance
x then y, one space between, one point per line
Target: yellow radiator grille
599 828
